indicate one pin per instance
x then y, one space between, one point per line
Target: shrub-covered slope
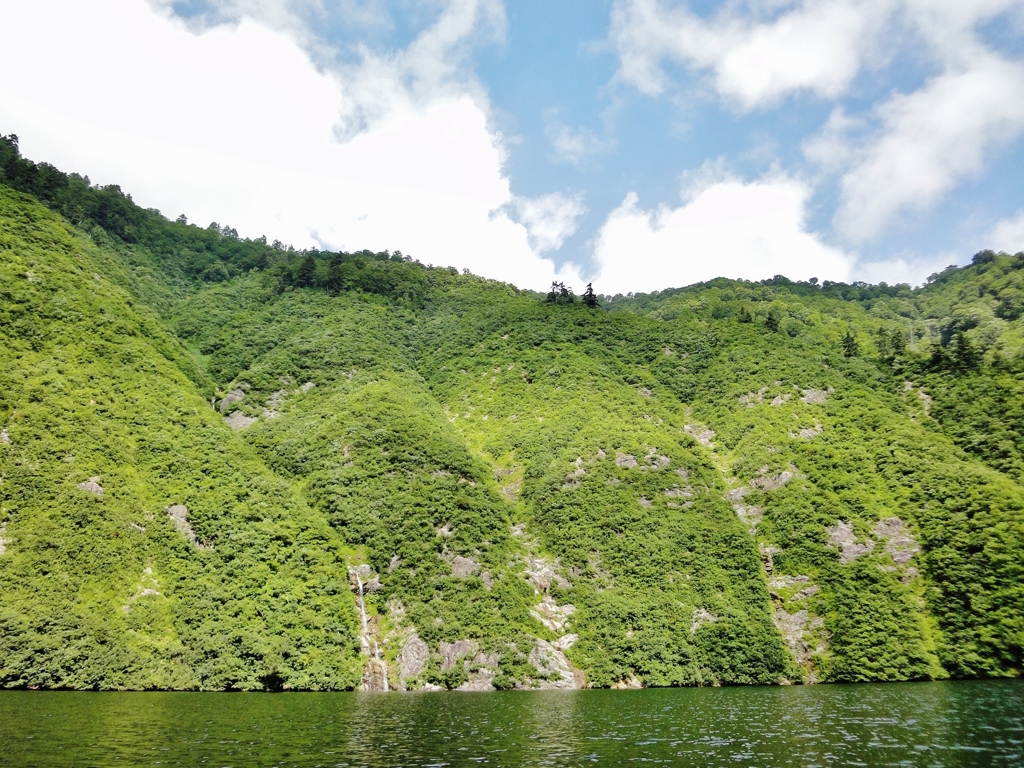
318 470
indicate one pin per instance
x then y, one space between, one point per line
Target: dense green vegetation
216 455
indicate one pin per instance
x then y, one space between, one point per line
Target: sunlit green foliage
708 474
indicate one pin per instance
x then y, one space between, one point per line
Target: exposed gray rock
701 617
238 420
842 537
625 460
542 573
92 485
375 675
179 516
553 616
768 553
487 579
794 627
552 663
809 433
464 566
630 683
4 541
675 492
4 436
656 460
779 400
307 386
413 657
773 482
565 642
814 396
234 396
703 435
899 542
645 502
749 514
452 652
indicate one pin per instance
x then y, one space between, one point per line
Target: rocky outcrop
842 537
464 566
813 396
412 658
701 616
557 671
795 628
232 397
178 513
553 616
238 420
92 485
452 653
900 545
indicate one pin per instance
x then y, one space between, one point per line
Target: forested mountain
228 464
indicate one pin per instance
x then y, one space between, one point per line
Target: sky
637 144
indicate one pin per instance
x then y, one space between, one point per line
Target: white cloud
818 46
913 270
237 125
731 229
931 140
574 146
549 219
1007 235
923 144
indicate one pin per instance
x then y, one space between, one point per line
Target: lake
919 724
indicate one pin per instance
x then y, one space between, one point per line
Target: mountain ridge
351 470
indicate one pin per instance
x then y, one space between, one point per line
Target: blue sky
641 144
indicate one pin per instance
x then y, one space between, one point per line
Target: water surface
924 724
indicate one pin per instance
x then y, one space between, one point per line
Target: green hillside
227 464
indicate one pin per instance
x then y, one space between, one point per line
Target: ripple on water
901 724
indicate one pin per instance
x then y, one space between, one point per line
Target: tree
773 320
851 347
560 294
590 298
306 273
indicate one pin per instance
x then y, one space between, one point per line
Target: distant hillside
228 464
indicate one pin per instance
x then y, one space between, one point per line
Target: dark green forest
228 464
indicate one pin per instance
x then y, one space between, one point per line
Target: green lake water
924 724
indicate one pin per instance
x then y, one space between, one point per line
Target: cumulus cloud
932 139
549 219
737 229
236 124
818 46
1008 235
906 152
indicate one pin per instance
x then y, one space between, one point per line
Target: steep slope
231 465
143 545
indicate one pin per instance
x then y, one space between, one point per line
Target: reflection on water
926 724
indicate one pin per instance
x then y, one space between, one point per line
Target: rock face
375 675
451 653
4 436
553 616
842 537
238 420
231 398
552 663
412 658
814 396
899 543
179 516
3 539
92 485
464 566
793 627
701 617
625 460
